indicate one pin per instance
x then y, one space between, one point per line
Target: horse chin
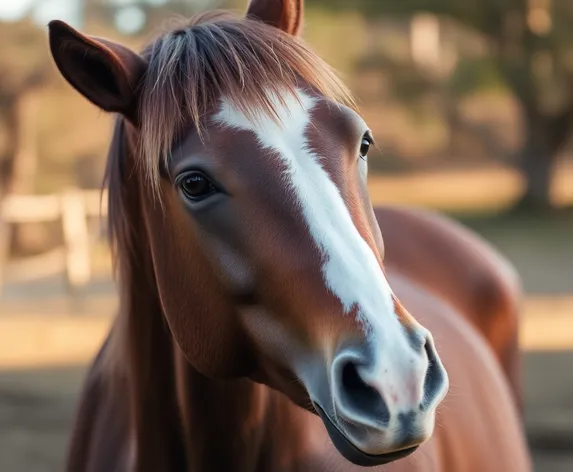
351 453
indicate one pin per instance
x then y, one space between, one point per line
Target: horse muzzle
378 404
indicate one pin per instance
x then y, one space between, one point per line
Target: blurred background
471 101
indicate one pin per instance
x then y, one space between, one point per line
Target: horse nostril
354 385
435 378
359 397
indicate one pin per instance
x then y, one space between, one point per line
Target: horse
259 328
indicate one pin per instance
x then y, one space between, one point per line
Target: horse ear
283 14
104 72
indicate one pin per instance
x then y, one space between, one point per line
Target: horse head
248 163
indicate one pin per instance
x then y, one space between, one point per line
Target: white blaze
351 270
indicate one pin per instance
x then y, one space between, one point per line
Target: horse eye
365 146
196 186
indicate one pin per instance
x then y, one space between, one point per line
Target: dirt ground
37 399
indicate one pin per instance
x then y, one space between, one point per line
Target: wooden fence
71 208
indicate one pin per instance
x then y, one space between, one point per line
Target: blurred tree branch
531 43
410 85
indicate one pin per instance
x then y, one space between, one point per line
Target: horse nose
388 391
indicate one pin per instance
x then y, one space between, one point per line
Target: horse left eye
365 146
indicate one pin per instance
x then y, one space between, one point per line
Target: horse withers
258 329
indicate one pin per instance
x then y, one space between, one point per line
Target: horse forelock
215 55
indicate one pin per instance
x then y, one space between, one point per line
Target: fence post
76 239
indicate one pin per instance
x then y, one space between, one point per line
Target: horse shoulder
478 426
464 270
98 437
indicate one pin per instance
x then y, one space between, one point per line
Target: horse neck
239 425
225 422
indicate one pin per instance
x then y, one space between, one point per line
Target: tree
24 66
530 44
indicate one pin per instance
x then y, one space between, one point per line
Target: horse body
259 328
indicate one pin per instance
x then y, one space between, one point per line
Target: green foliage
473 75
478 14
322 25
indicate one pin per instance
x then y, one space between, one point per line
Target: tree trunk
6 171
25 160
536 161
24 165
10 111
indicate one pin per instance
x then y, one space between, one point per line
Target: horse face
279 211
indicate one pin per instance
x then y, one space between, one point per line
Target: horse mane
138 358
189 68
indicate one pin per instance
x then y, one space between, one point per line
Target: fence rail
72 208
